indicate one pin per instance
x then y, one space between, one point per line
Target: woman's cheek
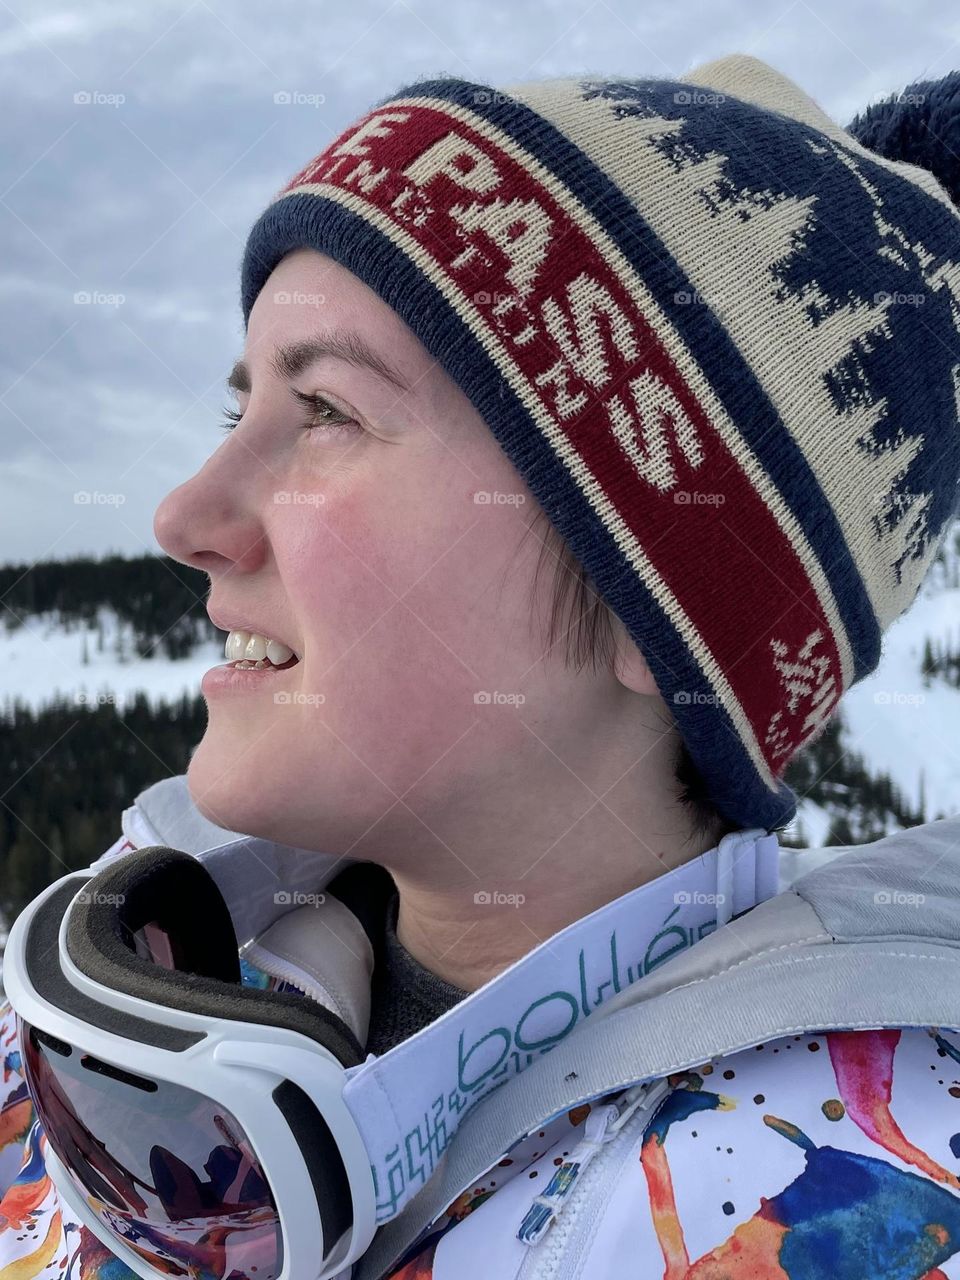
331 560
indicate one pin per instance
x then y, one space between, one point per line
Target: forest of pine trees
69 771
162 602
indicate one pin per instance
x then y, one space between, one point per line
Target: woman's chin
221 791
242 790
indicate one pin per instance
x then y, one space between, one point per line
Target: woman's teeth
250 650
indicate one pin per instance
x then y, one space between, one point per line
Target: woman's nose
210 523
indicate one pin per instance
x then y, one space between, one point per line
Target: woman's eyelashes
233 416
322 416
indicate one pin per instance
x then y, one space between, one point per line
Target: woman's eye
323 415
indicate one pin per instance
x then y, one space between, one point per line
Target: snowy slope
903 728
898 725
40 658
809 827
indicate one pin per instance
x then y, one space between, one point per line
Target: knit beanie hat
717 336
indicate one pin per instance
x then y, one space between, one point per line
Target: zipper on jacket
601 1127
549 1253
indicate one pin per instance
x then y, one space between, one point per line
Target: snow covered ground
899 726
810 825
40 658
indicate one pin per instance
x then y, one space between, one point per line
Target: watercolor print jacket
830 1156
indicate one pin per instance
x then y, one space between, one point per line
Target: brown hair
580 614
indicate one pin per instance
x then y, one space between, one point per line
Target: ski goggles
195 1125
198 1126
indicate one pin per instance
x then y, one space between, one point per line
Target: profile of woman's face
359 535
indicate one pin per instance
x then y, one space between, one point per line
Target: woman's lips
239 677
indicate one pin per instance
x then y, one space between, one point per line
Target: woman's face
361 542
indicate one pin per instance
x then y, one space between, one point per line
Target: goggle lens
167 1170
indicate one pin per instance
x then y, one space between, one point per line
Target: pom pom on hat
920 126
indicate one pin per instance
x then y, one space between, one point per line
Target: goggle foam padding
170 887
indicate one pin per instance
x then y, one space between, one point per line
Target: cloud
146 187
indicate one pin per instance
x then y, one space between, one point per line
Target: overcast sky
145 191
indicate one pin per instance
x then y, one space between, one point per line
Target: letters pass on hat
718 338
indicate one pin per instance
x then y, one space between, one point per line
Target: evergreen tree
927 668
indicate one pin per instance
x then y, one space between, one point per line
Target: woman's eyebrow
290 361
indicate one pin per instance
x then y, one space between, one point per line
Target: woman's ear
630 666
